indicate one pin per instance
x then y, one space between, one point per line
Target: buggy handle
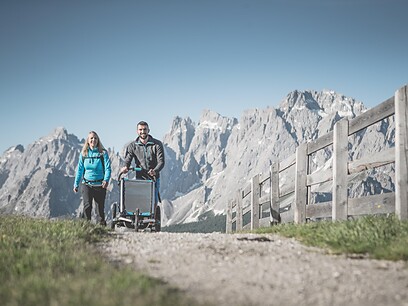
143 172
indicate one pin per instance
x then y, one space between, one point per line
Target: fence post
228 222
340 170
238 217
300 184
401 153
255 193
274 174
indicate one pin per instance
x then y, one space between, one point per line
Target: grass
379 237
45 262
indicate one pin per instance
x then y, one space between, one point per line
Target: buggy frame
137 207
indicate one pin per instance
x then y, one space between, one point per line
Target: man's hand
75 189
104 184
124 170
151 172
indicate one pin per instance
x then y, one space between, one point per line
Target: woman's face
92 140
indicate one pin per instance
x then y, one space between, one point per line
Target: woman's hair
85 147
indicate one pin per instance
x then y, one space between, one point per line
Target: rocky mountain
206 162
38 180
219 155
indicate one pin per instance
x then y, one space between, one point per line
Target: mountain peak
323 102
180 123
212 120
58 133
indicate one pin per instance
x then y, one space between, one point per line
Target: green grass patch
45 262
379 237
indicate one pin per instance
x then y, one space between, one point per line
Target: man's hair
143 123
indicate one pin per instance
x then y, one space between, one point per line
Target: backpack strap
100 157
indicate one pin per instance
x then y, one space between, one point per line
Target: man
148 154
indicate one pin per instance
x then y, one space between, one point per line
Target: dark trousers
97 194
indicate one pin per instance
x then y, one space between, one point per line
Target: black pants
89 194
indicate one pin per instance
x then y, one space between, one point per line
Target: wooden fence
292 204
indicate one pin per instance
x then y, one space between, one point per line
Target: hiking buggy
137 208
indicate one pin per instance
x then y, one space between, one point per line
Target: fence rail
292 203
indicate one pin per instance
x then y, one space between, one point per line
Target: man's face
143 131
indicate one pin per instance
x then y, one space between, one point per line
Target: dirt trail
252 269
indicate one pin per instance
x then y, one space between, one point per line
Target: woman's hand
75 189
104 184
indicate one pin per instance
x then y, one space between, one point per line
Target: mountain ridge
206 162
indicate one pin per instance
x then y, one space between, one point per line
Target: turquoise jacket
91 169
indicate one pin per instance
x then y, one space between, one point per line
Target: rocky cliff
206 162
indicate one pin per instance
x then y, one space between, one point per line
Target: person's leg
99 196
156 189
87 198
157 213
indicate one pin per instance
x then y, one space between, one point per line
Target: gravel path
252 269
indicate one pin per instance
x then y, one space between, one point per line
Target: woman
94 170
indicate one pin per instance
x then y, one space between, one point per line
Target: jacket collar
93 151
149 140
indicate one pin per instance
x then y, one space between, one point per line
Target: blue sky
105 65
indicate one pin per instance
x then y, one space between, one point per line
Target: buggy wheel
137 220
113 210
157 217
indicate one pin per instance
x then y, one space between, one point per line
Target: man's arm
160 157
128 159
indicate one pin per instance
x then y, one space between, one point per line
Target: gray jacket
147 156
